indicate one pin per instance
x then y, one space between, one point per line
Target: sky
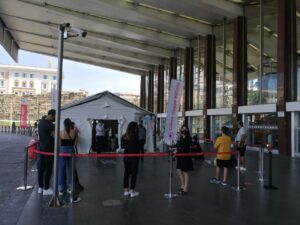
79 75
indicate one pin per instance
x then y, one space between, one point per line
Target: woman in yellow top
222 144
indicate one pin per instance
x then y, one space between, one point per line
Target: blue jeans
65 168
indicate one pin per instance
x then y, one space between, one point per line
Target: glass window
198 87
166 84
16 74
16 83
224 55
31 75
196 127
298 48
218 122
2 83
259 126
260 91
31 84
54 77
44 86
24 75
2 73
24 83
45 77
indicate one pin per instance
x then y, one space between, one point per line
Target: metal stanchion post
25 187
238 186
261 165
170 195
270 185
72 179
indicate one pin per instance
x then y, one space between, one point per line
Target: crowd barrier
17 130
169 154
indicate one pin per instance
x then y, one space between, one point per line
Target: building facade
133 98
248 69
25 80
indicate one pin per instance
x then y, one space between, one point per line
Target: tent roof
102 95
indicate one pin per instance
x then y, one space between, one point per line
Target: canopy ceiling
125 35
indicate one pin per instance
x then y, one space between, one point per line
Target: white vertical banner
53 98
170 135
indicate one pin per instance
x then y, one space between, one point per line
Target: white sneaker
40 190
243 168
77 199
126 193
49 191
134 194
60 193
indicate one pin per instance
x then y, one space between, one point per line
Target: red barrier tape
110 155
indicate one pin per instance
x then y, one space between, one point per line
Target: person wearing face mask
184 163
45 162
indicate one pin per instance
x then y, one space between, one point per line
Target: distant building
26 80
133 98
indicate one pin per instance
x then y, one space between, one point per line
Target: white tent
104 106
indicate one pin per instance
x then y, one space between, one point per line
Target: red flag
23 114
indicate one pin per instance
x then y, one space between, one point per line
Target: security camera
78 31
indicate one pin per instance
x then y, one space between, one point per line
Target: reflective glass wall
218 122
198 84
224 63
298 47
180 72
259 127
262 69
166 83
196 127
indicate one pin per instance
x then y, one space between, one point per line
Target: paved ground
103 202
11 176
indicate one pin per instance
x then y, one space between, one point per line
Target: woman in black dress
130 143
184 163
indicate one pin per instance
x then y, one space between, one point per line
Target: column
143 92
209 81
173 68
151 91
160 91
239 68
188 79
286 69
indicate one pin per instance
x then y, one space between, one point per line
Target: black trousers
131 165
100 143
44 166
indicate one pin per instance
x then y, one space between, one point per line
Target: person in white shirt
240 141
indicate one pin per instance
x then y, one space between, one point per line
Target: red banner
23 114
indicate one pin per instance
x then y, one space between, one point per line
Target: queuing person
142 138
76 177
184 163
196 148
46 144
222 145
240 141
100 137
68 139
130 144
35 133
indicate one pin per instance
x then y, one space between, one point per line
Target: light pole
63 34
